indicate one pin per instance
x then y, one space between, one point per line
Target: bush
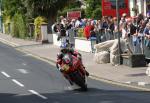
6 21
37 23
18 26
15 30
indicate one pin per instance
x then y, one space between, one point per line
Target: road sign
73 14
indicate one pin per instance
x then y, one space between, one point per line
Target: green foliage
15 31
92 5
37 23
11 7
21 26
97 13
45 8
21 10
18 26
93 9
31 9
6 21
74 6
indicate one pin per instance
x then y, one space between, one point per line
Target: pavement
120 75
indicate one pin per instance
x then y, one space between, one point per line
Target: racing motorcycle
73 70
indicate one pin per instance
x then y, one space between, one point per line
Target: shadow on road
92 96
136 75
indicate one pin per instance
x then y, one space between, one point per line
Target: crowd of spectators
135 30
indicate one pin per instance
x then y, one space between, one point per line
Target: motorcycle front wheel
79 80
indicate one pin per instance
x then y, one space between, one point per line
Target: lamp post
119 46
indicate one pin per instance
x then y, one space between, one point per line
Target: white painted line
141 83
11 43
18 83
28 54
23 71
26 94
5 74
38 94
68 88
129 82
24 64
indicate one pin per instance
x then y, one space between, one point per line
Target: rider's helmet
64 47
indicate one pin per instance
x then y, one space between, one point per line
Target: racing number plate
65 67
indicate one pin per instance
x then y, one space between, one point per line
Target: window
122 4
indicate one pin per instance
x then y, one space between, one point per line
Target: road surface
25 79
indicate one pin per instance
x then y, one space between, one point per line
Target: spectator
87 30
97 31
92 38
147 35
132 29
79 23
110 28
124 31
123 18
134 21
104 27
115 31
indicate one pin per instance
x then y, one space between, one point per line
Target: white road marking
141 83
5 74
26 94
129 82
8 42
24 64
71 87
38 94
18 83
23 71
28 54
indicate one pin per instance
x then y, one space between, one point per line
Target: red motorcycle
73 70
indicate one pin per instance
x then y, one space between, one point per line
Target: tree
97 13
10 7
91 9
14 14
33 8
45 8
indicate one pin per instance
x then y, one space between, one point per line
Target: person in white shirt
124 31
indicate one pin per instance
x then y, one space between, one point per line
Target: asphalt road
24 79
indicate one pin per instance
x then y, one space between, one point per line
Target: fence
138 44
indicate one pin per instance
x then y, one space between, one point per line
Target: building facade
139 6
130 7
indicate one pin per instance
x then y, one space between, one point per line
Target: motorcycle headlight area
65 67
